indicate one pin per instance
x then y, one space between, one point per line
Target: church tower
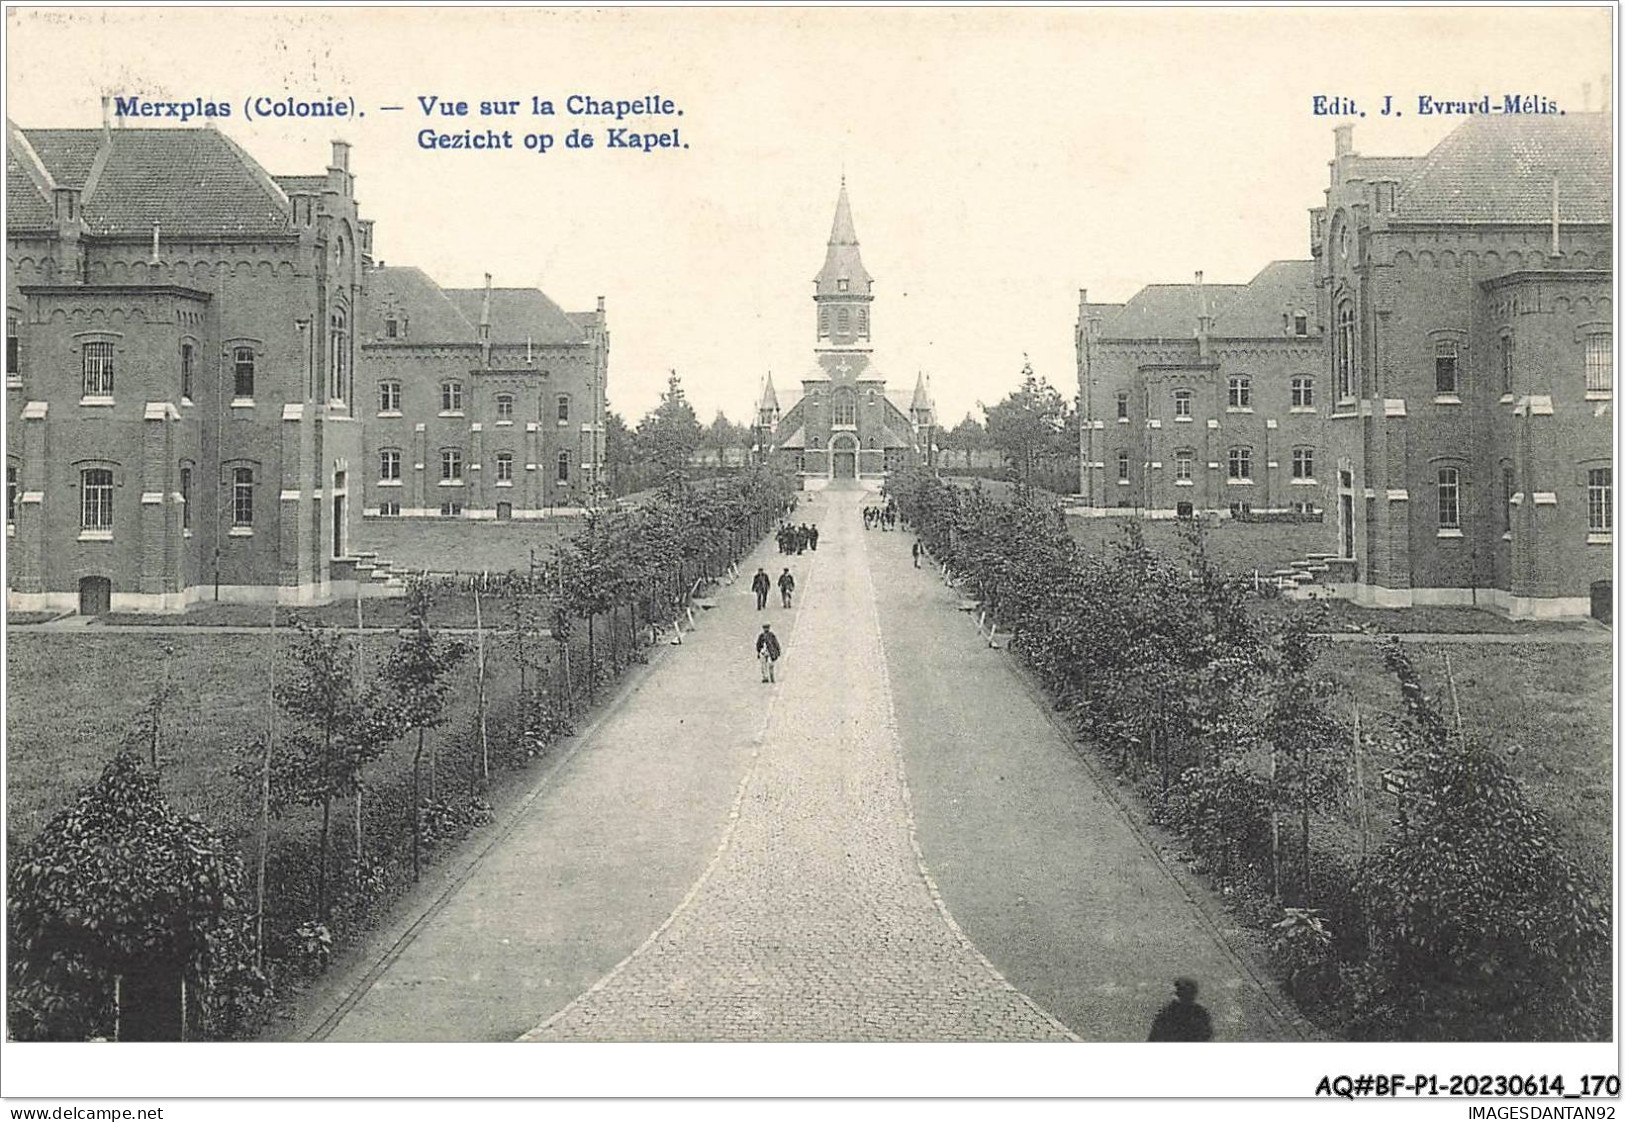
842 292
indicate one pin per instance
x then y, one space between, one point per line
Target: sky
997 160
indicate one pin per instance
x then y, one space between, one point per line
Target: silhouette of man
917 552
787 586
761 584
767 651
1182 1018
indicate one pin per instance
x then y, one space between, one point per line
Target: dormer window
1300 323
842 285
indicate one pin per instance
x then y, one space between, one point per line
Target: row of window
451 401
1240 396
96 364
451 466
1240 464
843 321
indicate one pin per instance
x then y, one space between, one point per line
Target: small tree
339 728
1029 425
670 434
120 890
418 676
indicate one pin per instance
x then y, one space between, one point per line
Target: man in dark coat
917 551
787 586
767 651
1182 1018
812 537
761 584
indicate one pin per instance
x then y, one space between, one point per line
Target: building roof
518 315
1372 168
193 181
770 400
842 259
1499 169
1255 310
302 184
922 396
431 317
27 208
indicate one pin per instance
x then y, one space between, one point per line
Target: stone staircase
374 578
1317 575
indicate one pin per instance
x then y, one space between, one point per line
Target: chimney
1204 322
1556 218
1344 142
341 155
107 118
485 322
600 303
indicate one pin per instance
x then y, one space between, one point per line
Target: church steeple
842 289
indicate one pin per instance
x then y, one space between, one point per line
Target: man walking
767 651
917 551
812 536
1182 1018
787 586
761 584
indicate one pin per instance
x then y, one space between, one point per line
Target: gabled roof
27 208
1499 169
189 181
1254 310
431 317
518 314
842 259
1372 168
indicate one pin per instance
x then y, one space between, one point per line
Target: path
728 860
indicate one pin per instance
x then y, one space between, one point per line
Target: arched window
823 323
564 467
1446 368
843 321
242 497
846 410
451 465
338 355
563 408
863 322
1241 465
98 369
1184 460
1343 359
188 369
1241 391
96 499
1450 499
242 373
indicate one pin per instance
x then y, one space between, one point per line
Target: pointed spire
843 273
922 397
770 400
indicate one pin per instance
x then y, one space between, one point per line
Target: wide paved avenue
892 842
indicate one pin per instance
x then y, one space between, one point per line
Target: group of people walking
883 517
767 643
797 539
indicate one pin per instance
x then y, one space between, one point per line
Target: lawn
1547 707
1236 547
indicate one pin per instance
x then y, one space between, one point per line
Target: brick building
184 418
845 426
482 403
1469 300
1203 397
1438 379
178 370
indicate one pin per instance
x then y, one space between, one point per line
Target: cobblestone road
815 919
